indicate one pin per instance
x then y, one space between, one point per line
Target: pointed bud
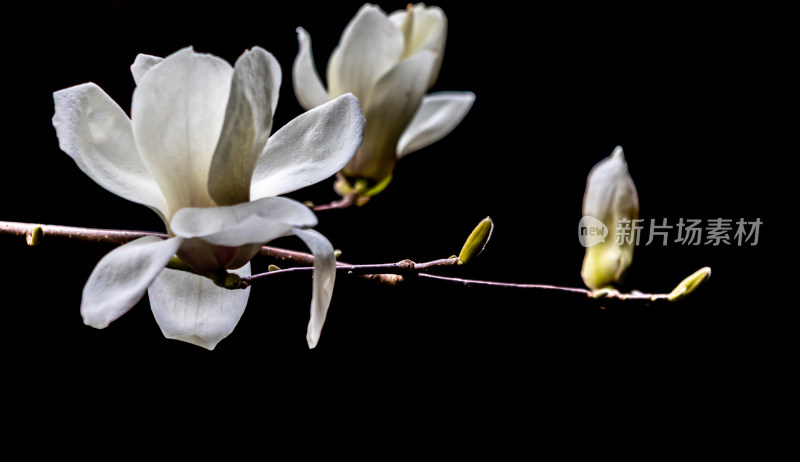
689 284
603 293
232 281
477 240
337 253
610 200
34 236
272 268
342 186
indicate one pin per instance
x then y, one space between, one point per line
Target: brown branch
119 237
347 201
399 269
387 273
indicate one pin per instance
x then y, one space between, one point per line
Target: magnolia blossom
388 62
611 198
197 150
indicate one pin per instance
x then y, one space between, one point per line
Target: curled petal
121 278
177 115
310 148
254 222
424 28
248 122
437 116
370 45
308 87
324 278
142 64
97 134
192 309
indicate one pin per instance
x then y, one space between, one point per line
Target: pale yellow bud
609 199
689 284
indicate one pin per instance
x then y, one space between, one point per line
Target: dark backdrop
689 94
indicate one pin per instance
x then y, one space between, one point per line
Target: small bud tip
690 284
34 236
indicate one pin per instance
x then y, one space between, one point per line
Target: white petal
121 278
390 107
370 45
177 115
191 308
610 192
437 116
97 134
428 31
254 222
324 278
310 148
142 64
248 123
308 87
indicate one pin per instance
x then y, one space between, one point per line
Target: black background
694 97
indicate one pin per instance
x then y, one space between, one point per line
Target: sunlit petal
370 45
310 148
97 134
437 116
142 64
177 114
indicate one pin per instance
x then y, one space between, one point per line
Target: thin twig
348 200
401 268
119 237
387 273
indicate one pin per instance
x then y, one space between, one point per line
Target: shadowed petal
121 278
324 278
389 109
424 28
254 222
308 87
248 122
192 309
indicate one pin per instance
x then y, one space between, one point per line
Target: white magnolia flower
388 62
197 151
611 198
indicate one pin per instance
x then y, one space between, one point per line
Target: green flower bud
477 240
689 284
